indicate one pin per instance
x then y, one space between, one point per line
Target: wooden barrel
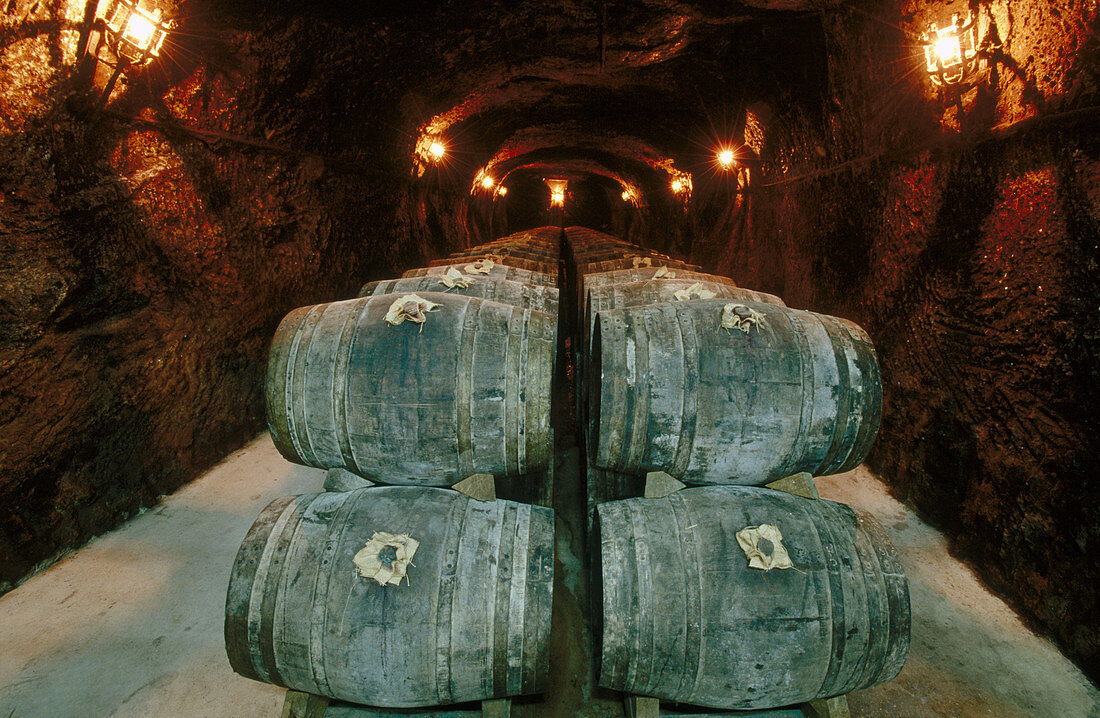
519 262
528 296
471 621
516 254
643 274
685 618
654 291
549 234
671 390
548 246
537 253
637 294
602 255
575 235
466 392
501 271
611 265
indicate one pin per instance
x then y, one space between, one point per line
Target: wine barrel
653 291
685 618
528 296
536 255
519 262
548 234
500 271
471 621
575 235
671 390
602 255
547 246
611 265
636 294
466 392
644 274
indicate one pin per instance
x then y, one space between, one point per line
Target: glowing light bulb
726 159
139 30
437 149
948 49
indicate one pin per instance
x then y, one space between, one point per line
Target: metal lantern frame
962 39
134 34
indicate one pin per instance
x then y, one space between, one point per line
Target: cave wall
963 231
147 252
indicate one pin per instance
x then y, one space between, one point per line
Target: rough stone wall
968 243
144 267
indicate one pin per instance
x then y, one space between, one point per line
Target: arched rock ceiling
625 158
624 90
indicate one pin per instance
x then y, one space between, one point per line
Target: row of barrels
466 615
406 594
727 595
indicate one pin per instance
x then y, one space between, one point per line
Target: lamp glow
951 52
136 34
557 191
726 159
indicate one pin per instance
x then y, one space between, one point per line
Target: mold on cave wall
963 231
148 251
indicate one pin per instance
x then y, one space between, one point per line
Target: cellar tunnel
155 227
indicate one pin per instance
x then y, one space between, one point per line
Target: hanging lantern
557 191
134 34
951 53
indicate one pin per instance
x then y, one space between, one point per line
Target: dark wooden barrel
671 390
519 262
534 254
686 619
501 271
472 620
602 255
643 274
467 392
611 265
548 234
653 291
520 243
529 296
584 235
635 294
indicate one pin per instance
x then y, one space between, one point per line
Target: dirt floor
131 624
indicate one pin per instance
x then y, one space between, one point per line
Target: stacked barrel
727 594
406 593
